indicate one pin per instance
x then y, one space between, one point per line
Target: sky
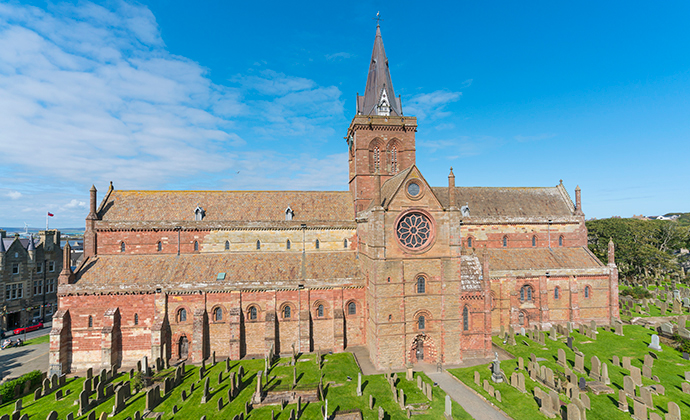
218 95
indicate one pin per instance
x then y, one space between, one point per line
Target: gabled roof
541 259
249 270
392 185
379 78
159 206
509 202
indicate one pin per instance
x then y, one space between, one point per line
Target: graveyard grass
670 368
340 393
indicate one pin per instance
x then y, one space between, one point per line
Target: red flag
50 214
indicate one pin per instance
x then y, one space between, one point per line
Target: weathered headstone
639 410
579 362
359 384
629 386
622 401
616 361
636 375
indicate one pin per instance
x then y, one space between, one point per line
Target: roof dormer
199 213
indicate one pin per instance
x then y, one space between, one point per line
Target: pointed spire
32 245
66 275
379 97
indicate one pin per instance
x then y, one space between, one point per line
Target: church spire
379 97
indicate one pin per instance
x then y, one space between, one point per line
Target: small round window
413 189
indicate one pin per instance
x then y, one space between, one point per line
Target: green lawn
670 368
340 393
38 340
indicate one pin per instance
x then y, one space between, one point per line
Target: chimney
377 190
66 275
92 207
578 201
451 189
612 252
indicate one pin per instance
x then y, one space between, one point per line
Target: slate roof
147 206
379 77
256 270
510 202
541 259
25 242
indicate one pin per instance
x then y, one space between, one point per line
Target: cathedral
411 272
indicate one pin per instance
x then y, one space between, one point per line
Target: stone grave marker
562 361
595 371
673 411
573 412
622 401
639 410
629 386
616 361
579 363
359 383
605 374
582 384
646 397
585 400
636 375
570 343
655 343
521 363
626 362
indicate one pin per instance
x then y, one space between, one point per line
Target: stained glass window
414 230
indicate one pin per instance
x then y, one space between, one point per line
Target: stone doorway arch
422 350
183 347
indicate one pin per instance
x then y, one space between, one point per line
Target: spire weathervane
377 18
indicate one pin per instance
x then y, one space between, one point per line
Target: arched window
90 321
258 244
122 247
159 246
521 319
182 315
287 244
390 317
227 245
526 293
377 158
560 240
319 311
287 312
394 159
534 241
196 245
469 242
588 291
251 313
136 319
318 244
465 319
351 308
505 241
345 243
218 314
557 293
421 284
421 322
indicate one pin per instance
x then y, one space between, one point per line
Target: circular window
413 189
414 230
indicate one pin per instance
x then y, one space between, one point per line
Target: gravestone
622 401
673 411
477 378
655 343
579 363
616 361
605 374
497 395
371 402
570 343
449 408
521 363
206 395
646 397
685 387
647 371
595 371
629 386
562 361
582 384
573 412
359 383
626 362
636 375
585 400
83 403
639 410
220 403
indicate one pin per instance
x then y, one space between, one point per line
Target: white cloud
90 94
338 56
75 203
14 195
431 105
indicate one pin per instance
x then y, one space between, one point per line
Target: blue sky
258 95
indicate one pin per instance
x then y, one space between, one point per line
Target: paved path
16 361
477 407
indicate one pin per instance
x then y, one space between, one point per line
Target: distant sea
21 230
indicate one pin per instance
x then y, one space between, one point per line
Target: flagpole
46 221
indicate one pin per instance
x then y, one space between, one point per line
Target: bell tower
380 139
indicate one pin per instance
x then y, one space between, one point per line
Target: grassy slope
670 368
336 368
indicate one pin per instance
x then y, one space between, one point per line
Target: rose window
414 230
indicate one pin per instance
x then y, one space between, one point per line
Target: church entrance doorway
420 351
183 347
